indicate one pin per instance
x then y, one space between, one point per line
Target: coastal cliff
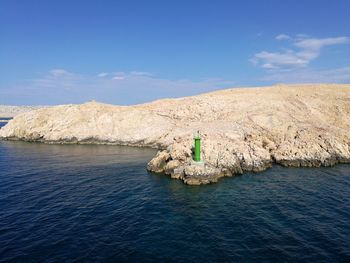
242 130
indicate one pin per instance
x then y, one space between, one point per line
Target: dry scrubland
242 129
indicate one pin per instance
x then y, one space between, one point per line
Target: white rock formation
242 129
7 111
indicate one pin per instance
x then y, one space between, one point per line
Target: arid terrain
246 129
7 111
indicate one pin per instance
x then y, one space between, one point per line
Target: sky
127 52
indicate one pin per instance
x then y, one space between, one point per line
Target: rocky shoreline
242 129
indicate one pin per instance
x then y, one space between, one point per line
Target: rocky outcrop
242 129
7 111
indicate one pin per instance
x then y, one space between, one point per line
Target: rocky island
7 111
246 129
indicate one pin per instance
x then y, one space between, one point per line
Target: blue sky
126 52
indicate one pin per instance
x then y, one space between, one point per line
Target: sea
97 203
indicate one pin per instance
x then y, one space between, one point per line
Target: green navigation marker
197 147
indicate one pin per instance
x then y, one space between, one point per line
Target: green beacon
197 147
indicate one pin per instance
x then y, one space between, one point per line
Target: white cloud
54 76
278 59
305 50
140 73
282 37
102 74
61 86
318 43
118 77
59 72
254 61
119 73
301 36
311 48
338 75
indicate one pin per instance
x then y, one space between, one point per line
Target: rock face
242 129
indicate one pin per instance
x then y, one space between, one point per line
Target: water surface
97 203
4 121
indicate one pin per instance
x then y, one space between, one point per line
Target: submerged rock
242 129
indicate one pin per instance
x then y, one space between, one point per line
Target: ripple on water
98 203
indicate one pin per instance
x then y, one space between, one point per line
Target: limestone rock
159 162
7 111
171 166
195 174
242 129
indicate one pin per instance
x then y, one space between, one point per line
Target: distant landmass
246 129
7 111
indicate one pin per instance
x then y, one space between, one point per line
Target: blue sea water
78 203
